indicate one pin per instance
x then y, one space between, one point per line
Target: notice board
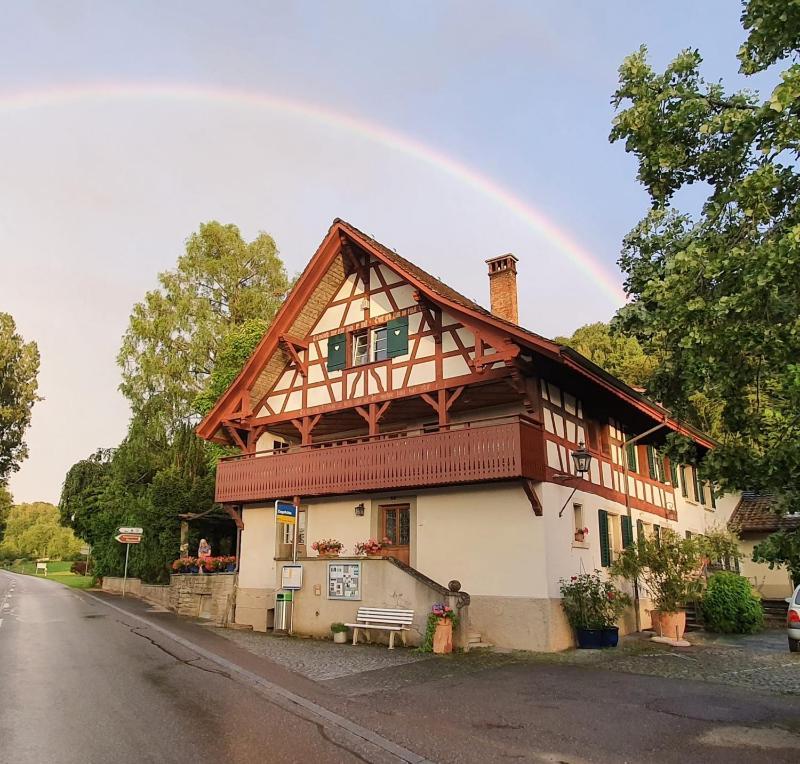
344 580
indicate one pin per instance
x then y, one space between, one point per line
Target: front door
396 530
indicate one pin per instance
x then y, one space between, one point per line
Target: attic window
360 348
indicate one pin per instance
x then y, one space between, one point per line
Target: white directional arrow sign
140 531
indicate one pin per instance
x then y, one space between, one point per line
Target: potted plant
230 563
593 606
327 547
185 565
581 534
669 567
339 631
369 548
443 619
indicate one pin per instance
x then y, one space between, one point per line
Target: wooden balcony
472 452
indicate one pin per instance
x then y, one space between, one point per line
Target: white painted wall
257 565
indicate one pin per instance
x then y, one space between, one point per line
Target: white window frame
379 333
361 354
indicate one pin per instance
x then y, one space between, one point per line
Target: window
397 524
633 462
360 348
286 530
652 466
379 346
684 486
577 522
279 446
698 487
615 534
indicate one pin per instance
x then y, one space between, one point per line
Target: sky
450 131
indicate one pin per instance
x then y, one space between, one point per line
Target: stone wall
193 596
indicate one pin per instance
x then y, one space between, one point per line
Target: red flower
573 578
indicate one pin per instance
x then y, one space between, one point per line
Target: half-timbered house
393 407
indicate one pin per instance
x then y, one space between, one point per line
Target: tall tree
716 290
19 367
33 530
6 502
173 337
615 352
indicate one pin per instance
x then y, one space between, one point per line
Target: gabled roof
443 295
756 513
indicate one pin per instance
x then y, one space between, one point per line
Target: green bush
730 607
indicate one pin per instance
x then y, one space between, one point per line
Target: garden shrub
79 567
730 607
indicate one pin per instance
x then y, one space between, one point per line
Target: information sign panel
344 580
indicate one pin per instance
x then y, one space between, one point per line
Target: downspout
625 473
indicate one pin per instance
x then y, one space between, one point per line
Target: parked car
793 621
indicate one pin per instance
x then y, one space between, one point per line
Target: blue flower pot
230 567
610 636
589 639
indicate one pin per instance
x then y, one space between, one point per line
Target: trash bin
283 611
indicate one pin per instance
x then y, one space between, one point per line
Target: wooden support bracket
305 427
536 505
293 345
235 515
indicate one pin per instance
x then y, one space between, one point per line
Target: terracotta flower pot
669 624
328 555
443 636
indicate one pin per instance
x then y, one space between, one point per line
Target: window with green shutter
639 530
657 533
652 469
698 487
673 474
397 336
630 450
627 531
605 542
337 352
684 487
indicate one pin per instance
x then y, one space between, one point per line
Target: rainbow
582 258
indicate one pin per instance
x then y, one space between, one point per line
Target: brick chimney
503 287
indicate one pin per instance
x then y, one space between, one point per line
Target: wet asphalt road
80 682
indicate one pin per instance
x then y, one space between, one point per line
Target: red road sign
129 538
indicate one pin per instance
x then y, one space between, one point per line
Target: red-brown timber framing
507 339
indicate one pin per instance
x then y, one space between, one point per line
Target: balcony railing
471 452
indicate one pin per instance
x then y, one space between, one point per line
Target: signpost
128 536
286 512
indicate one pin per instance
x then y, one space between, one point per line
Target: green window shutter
673 474
639 530
699 494
712 492
397 337
631 456
684 487
627 531
605 544
651 463
337 352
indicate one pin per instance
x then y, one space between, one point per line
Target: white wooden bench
382 619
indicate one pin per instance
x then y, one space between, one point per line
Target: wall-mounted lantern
360 510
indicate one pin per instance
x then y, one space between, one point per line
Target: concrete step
480 645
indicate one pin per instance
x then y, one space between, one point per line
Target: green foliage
19 367
33 530
148 482
668 565
185 343
615 352
6 502
720 547
730 607
338 628
170 348
590 602
237 346
716 294
781 549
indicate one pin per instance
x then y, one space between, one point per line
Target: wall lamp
360 510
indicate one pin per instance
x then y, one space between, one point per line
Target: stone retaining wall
206 596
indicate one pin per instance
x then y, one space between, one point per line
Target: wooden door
396 530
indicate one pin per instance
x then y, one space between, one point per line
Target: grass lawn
57 571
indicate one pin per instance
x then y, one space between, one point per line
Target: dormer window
369 345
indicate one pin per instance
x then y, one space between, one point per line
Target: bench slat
384 611
382 617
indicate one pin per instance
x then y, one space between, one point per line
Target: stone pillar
459 602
